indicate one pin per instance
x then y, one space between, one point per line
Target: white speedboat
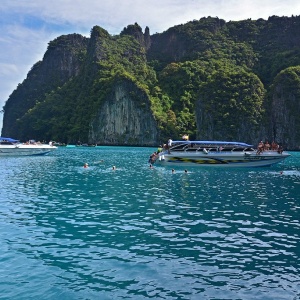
12 147
217 153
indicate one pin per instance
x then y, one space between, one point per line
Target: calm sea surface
134 233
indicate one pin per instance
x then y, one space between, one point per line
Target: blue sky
27 26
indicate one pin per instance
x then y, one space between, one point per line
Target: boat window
225 149
238 149
5 143
191 149
178 147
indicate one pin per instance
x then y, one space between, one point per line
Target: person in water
86 165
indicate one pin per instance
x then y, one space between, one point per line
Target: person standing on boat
267 146
274 146
159 149
260 147
169 144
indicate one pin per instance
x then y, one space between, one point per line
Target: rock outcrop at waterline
124 118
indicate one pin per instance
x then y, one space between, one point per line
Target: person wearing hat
86 165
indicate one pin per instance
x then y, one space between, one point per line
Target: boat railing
203 148
209 147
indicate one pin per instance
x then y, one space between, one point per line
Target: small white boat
12 147
217 153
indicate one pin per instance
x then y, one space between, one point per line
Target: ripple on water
139 233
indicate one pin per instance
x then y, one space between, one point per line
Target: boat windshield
7 141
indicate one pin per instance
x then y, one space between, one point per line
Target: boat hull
25 150
235 160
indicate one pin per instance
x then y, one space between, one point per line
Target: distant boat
59 144
12 147
85 145
217 153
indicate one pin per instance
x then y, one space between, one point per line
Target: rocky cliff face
61 62
63 58
136 31
99 89
175 45
96 50
285 108
124 118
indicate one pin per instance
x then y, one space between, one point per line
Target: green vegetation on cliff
208 78
285 105
66 113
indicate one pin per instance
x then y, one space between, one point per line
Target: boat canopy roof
214 143
4 139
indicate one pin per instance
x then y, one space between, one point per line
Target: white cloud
157 14
7 70
27 26
19 50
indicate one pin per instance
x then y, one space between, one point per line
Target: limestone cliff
61 62
207 78
234 114
124 118
136 31
285 108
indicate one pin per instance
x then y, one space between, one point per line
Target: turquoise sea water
134 233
